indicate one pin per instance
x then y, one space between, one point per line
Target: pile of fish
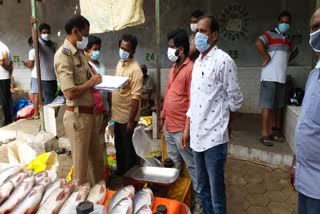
125 201
25 193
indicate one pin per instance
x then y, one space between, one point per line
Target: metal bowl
156 175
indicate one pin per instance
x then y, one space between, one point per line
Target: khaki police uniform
72 69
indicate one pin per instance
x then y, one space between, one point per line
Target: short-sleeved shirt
121 99
46 60
177 97
279 48
6 58
32 57
72 69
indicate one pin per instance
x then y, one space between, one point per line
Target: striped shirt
279 48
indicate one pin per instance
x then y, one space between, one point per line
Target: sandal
277 136
266 140
33 118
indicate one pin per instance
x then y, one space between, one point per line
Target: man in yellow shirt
126 103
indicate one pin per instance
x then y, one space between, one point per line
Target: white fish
5 191
7 172
55 201
98 193
52 187
143 201
123 207
40 176
19 177
125 192
45 182
31 202
17 195
69 207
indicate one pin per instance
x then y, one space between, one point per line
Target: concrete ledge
291 117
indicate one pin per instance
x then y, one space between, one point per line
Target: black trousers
125 153
6 100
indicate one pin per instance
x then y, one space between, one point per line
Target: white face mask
45 37
172 54
82 44
193 27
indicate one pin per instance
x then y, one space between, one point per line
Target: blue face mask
283 28
315 41
95 55
201 42
123 55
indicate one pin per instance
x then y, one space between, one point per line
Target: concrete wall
253 17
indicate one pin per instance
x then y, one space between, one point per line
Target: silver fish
31 203
18 178
98 193
52 187
40 176
5 191
55 201
125 192
143 201
45 182
17 195
123 207
7 172
69 207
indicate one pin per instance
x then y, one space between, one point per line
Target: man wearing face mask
76 81
215 96
277 50
125 110
305 171
47 51
176 103
195 15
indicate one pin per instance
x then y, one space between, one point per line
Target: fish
40 176
123 207
31 202
56 200
52 187
7 172
16 179
98 193
45 182
5 191
143 201
17 195
125 192
69 207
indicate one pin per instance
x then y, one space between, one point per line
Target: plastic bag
145 147
45 161
70 174
20 153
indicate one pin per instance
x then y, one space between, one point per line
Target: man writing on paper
125 108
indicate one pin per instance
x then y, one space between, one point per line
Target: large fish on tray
17 195
125 192
143 201
98 193
123 207
7 172
52 187
55 201
16 179
5 191
31 203
69 207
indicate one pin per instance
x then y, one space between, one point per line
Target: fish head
130 189
45 182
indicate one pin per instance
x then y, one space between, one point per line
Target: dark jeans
6 100
49 90
307 205
210 178
125 153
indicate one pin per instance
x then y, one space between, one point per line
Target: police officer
76 80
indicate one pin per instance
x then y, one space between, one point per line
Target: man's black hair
283 14
30 41
93 40
197 14
44 26
78 21
180 39
129 38
214 24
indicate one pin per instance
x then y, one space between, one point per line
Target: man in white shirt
6 69
215 96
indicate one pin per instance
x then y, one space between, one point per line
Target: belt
81 109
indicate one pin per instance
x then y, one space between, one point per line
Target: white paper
111 83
